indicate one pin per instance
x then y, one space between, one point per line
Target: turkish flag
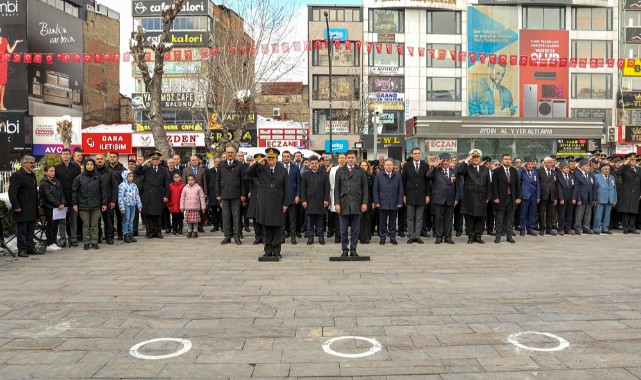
96 58
368 47
213 52
421 52
59 56
388 48
16 57
243 50
106 57
610 62
514 60
379 48
37 58
482 57
115 57
348 45
572 62
178 55
234 49
276 48
620 63
147 57
523 60
77 58
503 60
27 57
492 59
472 57
308 45
533 61
337 45
441 54
462 56
410 49
49 59
167 56
188 55
66 58
599 62
553 62
630 62
285 47
126 57
593 63
264 48
252 50
583 62
563 62
431 53
453 55
296 46
359 45
399 49
317 45
204 53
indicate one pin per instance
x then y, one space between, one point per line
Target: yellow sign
172 127
633 71
388 106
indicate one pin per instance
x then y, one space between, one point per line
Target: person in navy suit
584 198
388 198
506 190
606 199
566 198
444 197
294 197
530 195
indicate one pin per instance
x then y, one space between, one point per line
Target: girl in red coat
173 204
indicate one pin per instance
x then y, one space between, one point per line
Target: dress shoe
607 232
293 240
438 241
344 254
419 241
410 240
95 246
553 233
267 254
86 247
510 240
393 241
353 254
26 254
194 235
449 241
214 229
497 238
278 255
237 241
110 241
561 233
479 240
74 244
282 240
382 242
578 232
131 238
522 233
120 237
541 232
321 241
127 239
470 240
256 241
247 229
589 231
189 234
200 229
225 241
159 235
531 233
310 241
459 233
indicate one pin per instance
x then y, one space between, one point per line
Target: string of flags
347 45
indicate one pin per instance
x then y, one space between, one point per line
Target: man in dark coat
350 200
23 196
294 176
584 198
443 196
416 188
628 204
388 198
253 195
476 193
548 201
273 193
566 198
530 195
215 213
117 168
506 191
230 192
66 173
315 198
111 184
155 193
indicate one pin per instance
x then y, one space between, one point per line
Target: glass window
443 89
390 122
444 51
356 15
591 49
386 21
340 15
60 4
550 18
592 18
597 113
341 57
631 50
533 147
631 18
384 58
443 22
343 87
316 15
341 121
591 86
348 15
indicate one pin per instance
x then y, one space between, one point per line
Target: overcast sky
126 27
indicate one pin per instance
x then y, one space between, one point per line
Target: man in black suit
215 213
416 187
230 192
23 196
315 198
294 177
506 190
566 198
547 183
477 192
350 201
443 198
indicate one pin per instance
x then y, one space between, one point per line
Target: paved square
438 312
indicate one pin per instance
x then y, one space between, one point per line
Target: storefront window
386 21
343 87
340 57
443 22
549 18
341 120
537 148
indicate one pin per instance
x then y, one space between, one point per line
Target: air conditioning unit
612 134
276 112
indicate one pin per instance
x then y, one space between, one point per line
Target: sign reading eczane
155 7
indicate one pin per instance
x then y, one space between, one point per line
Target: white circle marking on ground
133 351
376 346
563 344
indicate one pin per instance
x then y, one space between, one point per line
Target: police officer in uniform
631 193
253 186
155 193
476 194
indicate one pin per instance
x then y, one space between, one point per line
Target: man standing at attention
350 200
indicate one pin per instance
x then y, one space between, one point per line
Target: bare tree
153 80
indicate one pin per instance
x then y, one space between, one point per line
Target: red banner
94 143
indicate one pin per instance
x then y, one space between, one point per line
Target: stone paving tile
271 371
423 367
515 363
207 371
617 374
240 356
325 369
46 357
22 371
462 365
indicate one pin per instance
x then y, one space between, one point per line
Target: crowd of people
86 199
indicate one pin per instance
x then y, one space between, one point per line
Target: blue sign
338 146
336 34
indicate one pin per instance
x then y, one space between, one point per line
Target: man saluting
476 194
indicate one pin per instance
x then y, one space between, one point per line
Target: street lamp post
329 54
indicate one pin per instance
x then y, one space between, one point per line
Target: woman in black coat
365 233
89 198
51 197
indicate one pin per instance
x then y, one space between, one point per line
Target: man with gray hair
547 175
23 196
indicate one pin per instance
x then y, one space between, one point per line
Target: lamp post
329 54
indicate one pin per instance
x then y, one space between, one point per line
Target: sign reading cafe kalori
155 7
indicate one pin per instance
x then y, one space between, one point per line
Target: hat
584 162
259 156
313 157
630 156
486 159
563 164
596 152
529 158
125 174
475 152
616 159
594 161
374 163
272 152
570 158
155 154
444 156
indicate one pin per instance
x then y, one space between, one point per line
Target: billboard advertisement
13 40
54 89
46 134
12 130
544 86
155 7
492 83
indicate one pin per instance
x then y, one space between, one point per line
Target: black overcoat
315 191
630 189
273 191
155 189
476 190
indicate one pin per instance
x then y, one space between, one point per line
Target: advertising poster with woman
13 36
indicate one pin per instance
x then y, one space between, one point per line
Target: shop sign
441 146
387 105
172 127
572 147
176 139
94 143
632 134
142 100
384 141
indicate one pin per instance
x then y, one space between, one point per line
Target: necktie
416 165
530 174
350 168
288 169
548 171
447 173
566 178
156 169
477 169
507 174
272 169
195 171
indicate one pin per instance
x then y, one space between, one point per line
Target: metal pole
329 54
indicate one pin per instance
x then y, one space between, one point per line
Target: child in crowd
51 196
173 203
128 202
192 201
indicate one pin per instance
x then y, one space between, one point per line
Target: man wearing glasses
155 193
23 196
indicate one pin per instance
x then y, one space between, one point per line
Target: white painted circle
133 351
376 346
563 344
